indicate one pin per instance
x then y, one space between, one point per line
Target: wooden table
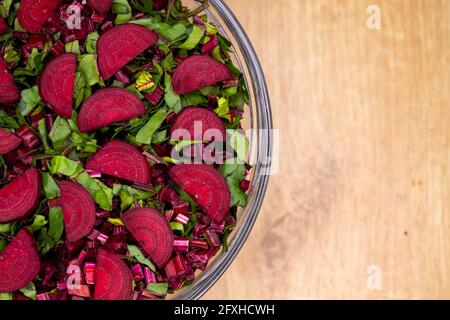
360 207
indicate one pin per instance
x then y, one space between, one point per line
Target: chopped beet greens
122 155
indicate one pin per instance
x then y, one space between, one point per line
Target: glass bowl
257 119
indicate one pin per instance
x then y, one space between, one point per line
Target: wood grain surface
363 183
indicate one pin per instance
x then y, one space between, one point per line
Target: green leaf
159 137
56 223
159 289
172 99
11 55
239 142
5 7
194 38
123 10
193 99
89 69
136 253
29 100
91 42
145 134
51 189
99 191
42 130
176 226
129 195
29 291
79 89
6 296
223 110
60 133
233 171
170 32
7 121
38 223
73 46
115 221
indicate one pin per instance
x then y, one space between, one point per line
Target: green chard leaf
160 289
123 11
194 38
60 133
137 254
38 222
129 195
42 130
233 171
223 110
51 189
73 47
89 69
145 134
30 98
29 291
239 142
6 121
172 99
91 42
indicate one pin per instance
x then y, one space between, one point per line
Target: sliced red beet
121 160
108 106
151 229
100 6
121 44
19 262
56 84
198 72
206 186
3 26
8 141
79 210
32 14
9 93
212 128
20 196
113 278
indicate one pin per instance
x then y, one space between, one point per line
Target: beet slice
32 14
9 93
108 106
192 116
113 278
198 72
8 141
78 209
19 262
151 229
20 196
206 186
56 84
121 44
121 160
100 6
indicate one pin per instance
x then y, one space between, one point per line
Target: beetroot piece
151 229
79 210
100 6
210 124
3 26
159 4
108 106
121 44
113 279
121 160
32 14
206 186
9 93
19 262
198 72
56 84
8 141
20 197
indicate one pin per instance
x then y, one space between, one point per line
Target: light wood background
364 155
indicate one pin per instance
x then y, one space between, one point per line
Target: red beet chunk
20 197
79 210
121 160
32 14
198 72
159 4
113 279
209 125
3 26
8 141
121 44
9 93
19 262
100 6
151 229
206 186
108 106
57 82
